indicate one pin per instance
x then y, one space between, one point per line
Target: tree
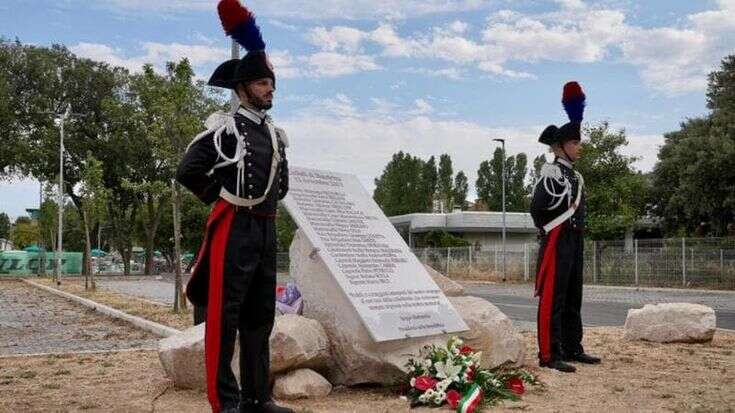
459 192
4 225
489 182
93 196
285 229
24 233
429 179
179 107
693 180
401 189
39 82
444 185
615 192
538 162
517 193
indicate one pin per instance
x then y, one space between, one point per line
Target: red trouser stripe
545 287
213 327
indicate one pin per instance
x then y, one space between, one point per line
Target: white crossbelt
569 212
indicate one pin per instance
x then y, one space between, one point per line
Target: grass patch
132 305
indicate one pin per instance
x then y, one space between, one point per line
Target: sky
359 80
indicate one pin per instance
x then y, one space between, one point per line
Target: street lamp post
59 245
502 142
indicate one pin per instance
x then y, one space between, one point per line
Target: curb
153 327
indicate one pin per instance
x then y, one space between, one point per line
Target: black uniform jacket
548 202
195 171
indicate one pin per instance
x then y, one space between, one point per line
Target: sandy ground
635 377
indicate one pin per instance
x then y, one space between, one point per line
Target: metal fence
680 262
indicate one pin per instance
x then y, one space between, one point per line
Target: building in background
481 229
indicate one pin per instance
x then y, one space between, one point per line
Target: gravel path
33 321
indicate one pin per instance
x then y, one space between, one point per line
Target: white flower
447 370
426 363
413 381
442 385
422 398
439 397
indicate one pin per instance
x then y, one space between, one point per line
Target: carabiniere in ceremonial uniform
558 211
239 164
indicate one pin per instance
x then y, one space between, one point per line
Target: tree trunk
179 297
154 219
87 254
126 253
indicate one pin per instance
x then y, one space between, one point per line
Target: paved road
603 306
34 321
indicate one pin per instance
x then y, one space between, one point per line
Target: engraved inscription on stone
392 292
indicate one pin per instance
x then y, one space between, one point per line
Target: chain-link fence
676 262
680 262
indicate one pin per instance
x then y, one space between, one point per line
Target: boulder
182 357
450 287
491 331
295 342
298 342
301 384
356 358
671 322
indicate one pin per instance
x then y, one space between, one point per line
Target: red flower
453 397
466 350
280 290
471 374
424 383
515 385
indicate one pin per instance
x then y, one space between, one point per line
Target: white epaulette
552 172
214 122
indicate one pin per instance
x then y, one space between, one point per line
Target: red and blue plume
239 23
573 100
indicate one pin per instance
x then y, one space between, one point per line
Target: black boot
247 407
583 358
559 365
272 407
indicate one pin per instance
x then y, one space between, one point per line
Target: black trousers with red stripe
559 312
247 306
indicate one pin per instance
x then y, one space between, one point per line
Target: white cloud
422 108
331 64
316 9
338 38
453 73
330 142
154 53
283 25
671 60
458 26
644 147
